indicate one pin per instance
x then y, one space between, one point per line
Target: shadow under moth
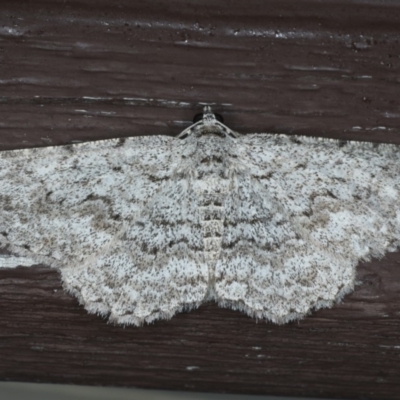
144 227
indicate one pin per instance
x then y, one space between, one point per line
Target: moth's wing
345 194
299 218
154 269
59 205
268 267
116 217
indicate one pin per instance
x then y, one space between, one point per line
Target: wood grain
86 70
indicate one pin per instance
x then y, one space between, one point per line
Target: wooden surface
87 70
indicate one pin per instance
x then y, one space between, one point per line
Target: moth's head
207 117
208 123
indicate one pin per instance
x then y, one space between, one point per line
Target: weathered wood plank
88 70
309 68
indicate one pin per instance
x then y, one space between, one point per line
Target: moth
142 228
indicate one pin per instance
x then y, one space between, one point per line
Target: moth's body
213 149
142 228
211 163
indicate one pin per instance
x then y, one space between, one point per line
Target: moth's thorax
211 131
212 156
210 127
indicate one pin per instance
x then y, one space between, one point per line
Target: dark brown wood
88 70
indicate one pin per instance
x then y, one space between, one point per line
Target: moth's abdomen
212 213
212 227
211 186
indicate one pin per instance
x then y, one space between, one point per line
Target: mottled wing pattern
346 194
61 204
114 217
300 218
154 269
